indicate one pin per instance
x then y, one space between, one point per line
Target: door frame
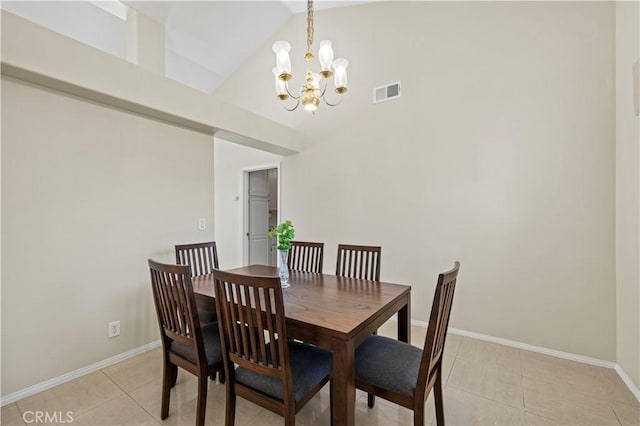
245 202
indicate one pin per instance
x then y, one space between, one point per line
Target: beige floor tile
452 345
383 413
315 412
119 411
137 371
535 420
490 382
462 408
183 402
77 396
11 416
448 361
558 403
490 354
627 414
559 371
266 418
418 335
609 385
483 386
216 403
149 397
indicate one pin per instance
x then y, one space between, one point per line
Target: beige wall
88 194
627 192
230 160
500 153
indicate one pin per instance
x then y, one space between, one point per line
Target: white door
258 235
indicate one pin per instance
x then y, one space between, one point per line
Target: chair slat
361 262
306 256
202 258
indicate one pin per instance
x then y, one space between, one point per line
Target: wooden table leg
344 384
404 322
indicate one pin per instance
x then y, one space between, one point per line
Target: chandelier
310 92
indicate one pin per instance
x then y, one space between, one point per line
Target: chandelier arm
330 104
284 105
324 89
291 95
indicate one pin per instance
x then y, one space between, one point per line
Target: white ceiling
206 41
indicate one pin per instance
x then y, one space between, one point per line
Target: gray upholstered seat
309 366
388 364
211 342
392 369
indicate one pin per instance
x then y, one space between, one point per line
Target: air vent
386 92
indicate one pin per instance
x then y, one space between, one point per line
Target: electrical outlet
202 223
114 329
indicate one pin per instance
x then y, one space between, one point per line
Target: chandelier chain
309 24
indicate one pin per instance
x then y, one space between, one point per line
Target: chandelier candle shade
310 92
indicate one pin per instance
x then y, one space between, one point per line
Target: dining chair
361 262
185 343
402 373
273 372
202 258
306 256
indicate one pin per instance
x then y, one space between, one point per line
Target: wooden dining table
335 313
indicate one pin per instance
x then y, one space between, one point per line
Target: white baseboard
546 351
31 390
539 349
627 381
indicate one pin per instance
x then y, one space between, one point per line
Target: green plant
285 233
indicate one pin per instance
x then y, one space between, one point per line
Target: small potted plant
285 233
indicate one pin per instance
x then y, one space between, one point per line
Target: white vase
283 271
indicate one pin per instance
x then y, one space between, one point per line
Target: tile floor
486 384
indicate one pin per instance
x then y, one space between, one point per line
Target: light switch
202 223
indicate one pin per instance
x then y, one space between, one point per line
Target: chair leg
371 398
201 410
290 418
169 371
437 396
418 415
174 375
230 409
331 399
221 376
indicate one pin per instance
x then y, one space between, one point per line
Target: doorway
261 192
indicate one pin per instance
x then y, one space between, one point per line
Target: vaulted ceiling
205 41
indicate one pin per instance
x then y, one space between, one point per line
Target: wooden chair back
176 307
202 258
437 329
251 314
362 262
306 256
